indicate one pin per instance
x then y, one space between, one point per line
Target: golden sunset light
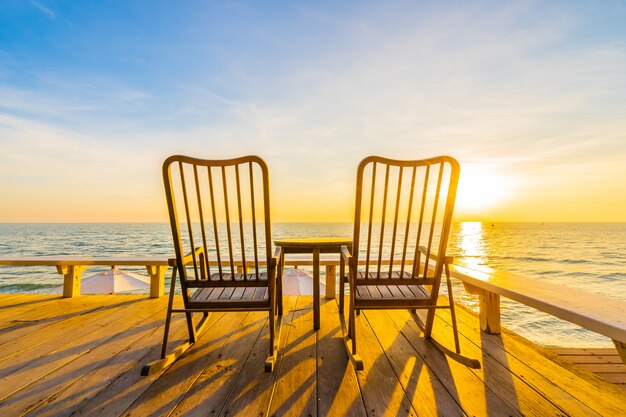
312 208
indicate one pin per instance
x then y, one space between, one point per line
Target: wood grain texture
96 370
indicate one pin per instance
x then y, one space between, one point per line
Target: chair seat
230 297
391 296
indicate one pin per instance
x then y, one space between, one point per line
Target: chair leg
167 360
279 285
275 324
168 318
342 271
191 328
457 346
351 326
349 337
272 330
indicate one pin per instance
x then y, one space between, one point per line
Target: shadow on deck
82 356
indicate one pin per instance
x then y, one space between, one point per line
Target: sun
481 187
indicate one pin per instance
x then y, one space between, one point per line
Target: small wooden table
314 246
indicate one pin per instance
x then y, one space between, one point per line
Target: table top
313 242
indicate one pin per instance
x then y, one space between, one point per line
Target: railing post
621 349
71 279
330 281
157 280
489 312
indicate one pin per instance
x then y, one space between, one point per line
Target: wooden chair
402 219
220 209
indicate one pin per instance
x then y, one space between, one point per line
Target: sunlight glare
481 186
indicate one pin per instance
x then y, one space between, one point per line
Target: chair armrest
188 258
346 256
446 260
277 257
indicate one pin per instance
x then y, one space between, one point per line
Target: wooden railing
603 315
72 267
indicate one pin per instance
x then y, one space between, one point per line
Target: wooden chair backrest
219 210
400 207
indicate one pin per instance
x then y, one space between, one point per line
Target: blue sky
529 96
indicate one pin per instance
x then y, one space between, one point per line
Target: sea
588 256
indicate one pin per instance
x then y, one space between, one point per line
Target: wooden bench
603 315
71 267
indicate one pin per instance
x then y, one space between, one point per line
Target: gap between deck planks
222 375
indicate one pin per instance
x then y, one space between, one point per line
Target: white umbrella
298 282
112 281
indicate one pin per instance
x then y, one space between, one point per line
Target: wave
613 276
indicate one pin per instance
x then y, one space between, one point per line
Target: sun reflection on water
471 243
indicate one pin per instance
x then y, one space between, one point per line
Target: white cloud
510 86
50 14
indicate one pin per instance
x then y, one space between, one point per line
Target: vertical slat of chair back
214 207
400 207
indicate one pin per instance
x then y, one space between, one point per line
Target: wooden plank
47 306
127 387
463 384
166 392
41 307
421 385
12 300
214 384
32 390
516 382
593 359
605 368
338 392
584 351
21 351
45 371
296 389
95 380
252 391
124 389
101 380
382 393
564 387
615 378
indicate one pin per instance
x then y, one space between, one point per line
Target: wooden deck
83 355
606 363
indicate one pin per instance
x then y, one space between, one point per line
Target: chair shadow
421 349
31 302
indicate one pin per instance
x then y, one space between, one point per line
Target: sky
529 96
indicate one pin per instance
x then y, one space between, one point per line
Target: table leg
316 289
330 281
279 291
